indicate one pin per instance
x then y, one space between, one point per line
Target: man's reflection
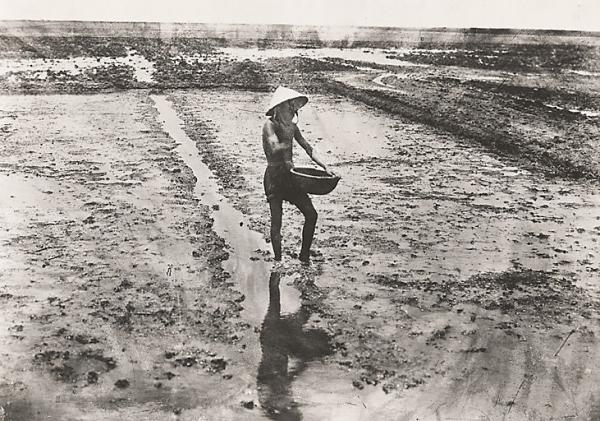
282 337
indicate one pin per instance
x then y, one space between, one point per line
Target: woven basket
314 181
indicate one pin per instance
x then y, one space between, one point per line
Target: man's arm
309 149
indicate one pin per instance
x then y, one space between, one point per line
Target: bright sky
532 14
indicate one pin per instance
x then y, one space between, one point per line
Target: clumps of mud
113 75
436 320
158 305
58 47
64 47
516 57
179 73
301 72
381 362
199 358
543 296
533 98
101 78
75 366
178 63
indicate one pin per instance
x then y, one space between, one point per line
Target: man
278 134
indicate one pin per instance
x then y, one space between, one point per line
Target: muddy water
273 305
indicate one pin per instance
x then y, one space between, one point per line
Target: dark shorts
279 184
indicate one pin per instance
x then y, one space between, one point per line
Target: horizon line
415 28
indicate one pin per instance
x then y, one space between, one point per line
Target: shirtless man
278 134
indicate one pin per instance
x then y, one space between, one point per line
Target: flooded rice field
455 269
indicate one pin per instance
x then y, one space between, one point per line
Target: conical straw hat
283 94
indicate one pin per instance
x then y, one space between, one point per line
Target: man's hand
328 171
317 159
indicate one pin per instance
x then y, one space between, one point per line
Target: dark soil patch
516 57
72 366
198 358
539 295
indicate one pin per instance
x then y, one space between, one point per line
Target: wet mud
493 270
565 148
106 252
455 267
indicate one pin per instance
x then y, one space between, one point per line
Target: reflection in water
282 338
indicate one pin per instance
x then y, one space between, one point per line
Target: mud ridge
503 144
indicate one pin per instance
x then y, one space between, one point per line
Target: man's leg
304 204
276 216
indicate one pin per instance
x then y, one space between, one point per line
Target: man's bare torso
285 135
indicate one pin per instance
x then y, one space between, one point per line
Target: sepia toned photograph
300 210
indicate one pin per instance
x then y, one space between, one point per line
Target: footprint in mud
283 339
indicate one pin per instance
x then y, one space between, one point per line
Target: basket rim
316 177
